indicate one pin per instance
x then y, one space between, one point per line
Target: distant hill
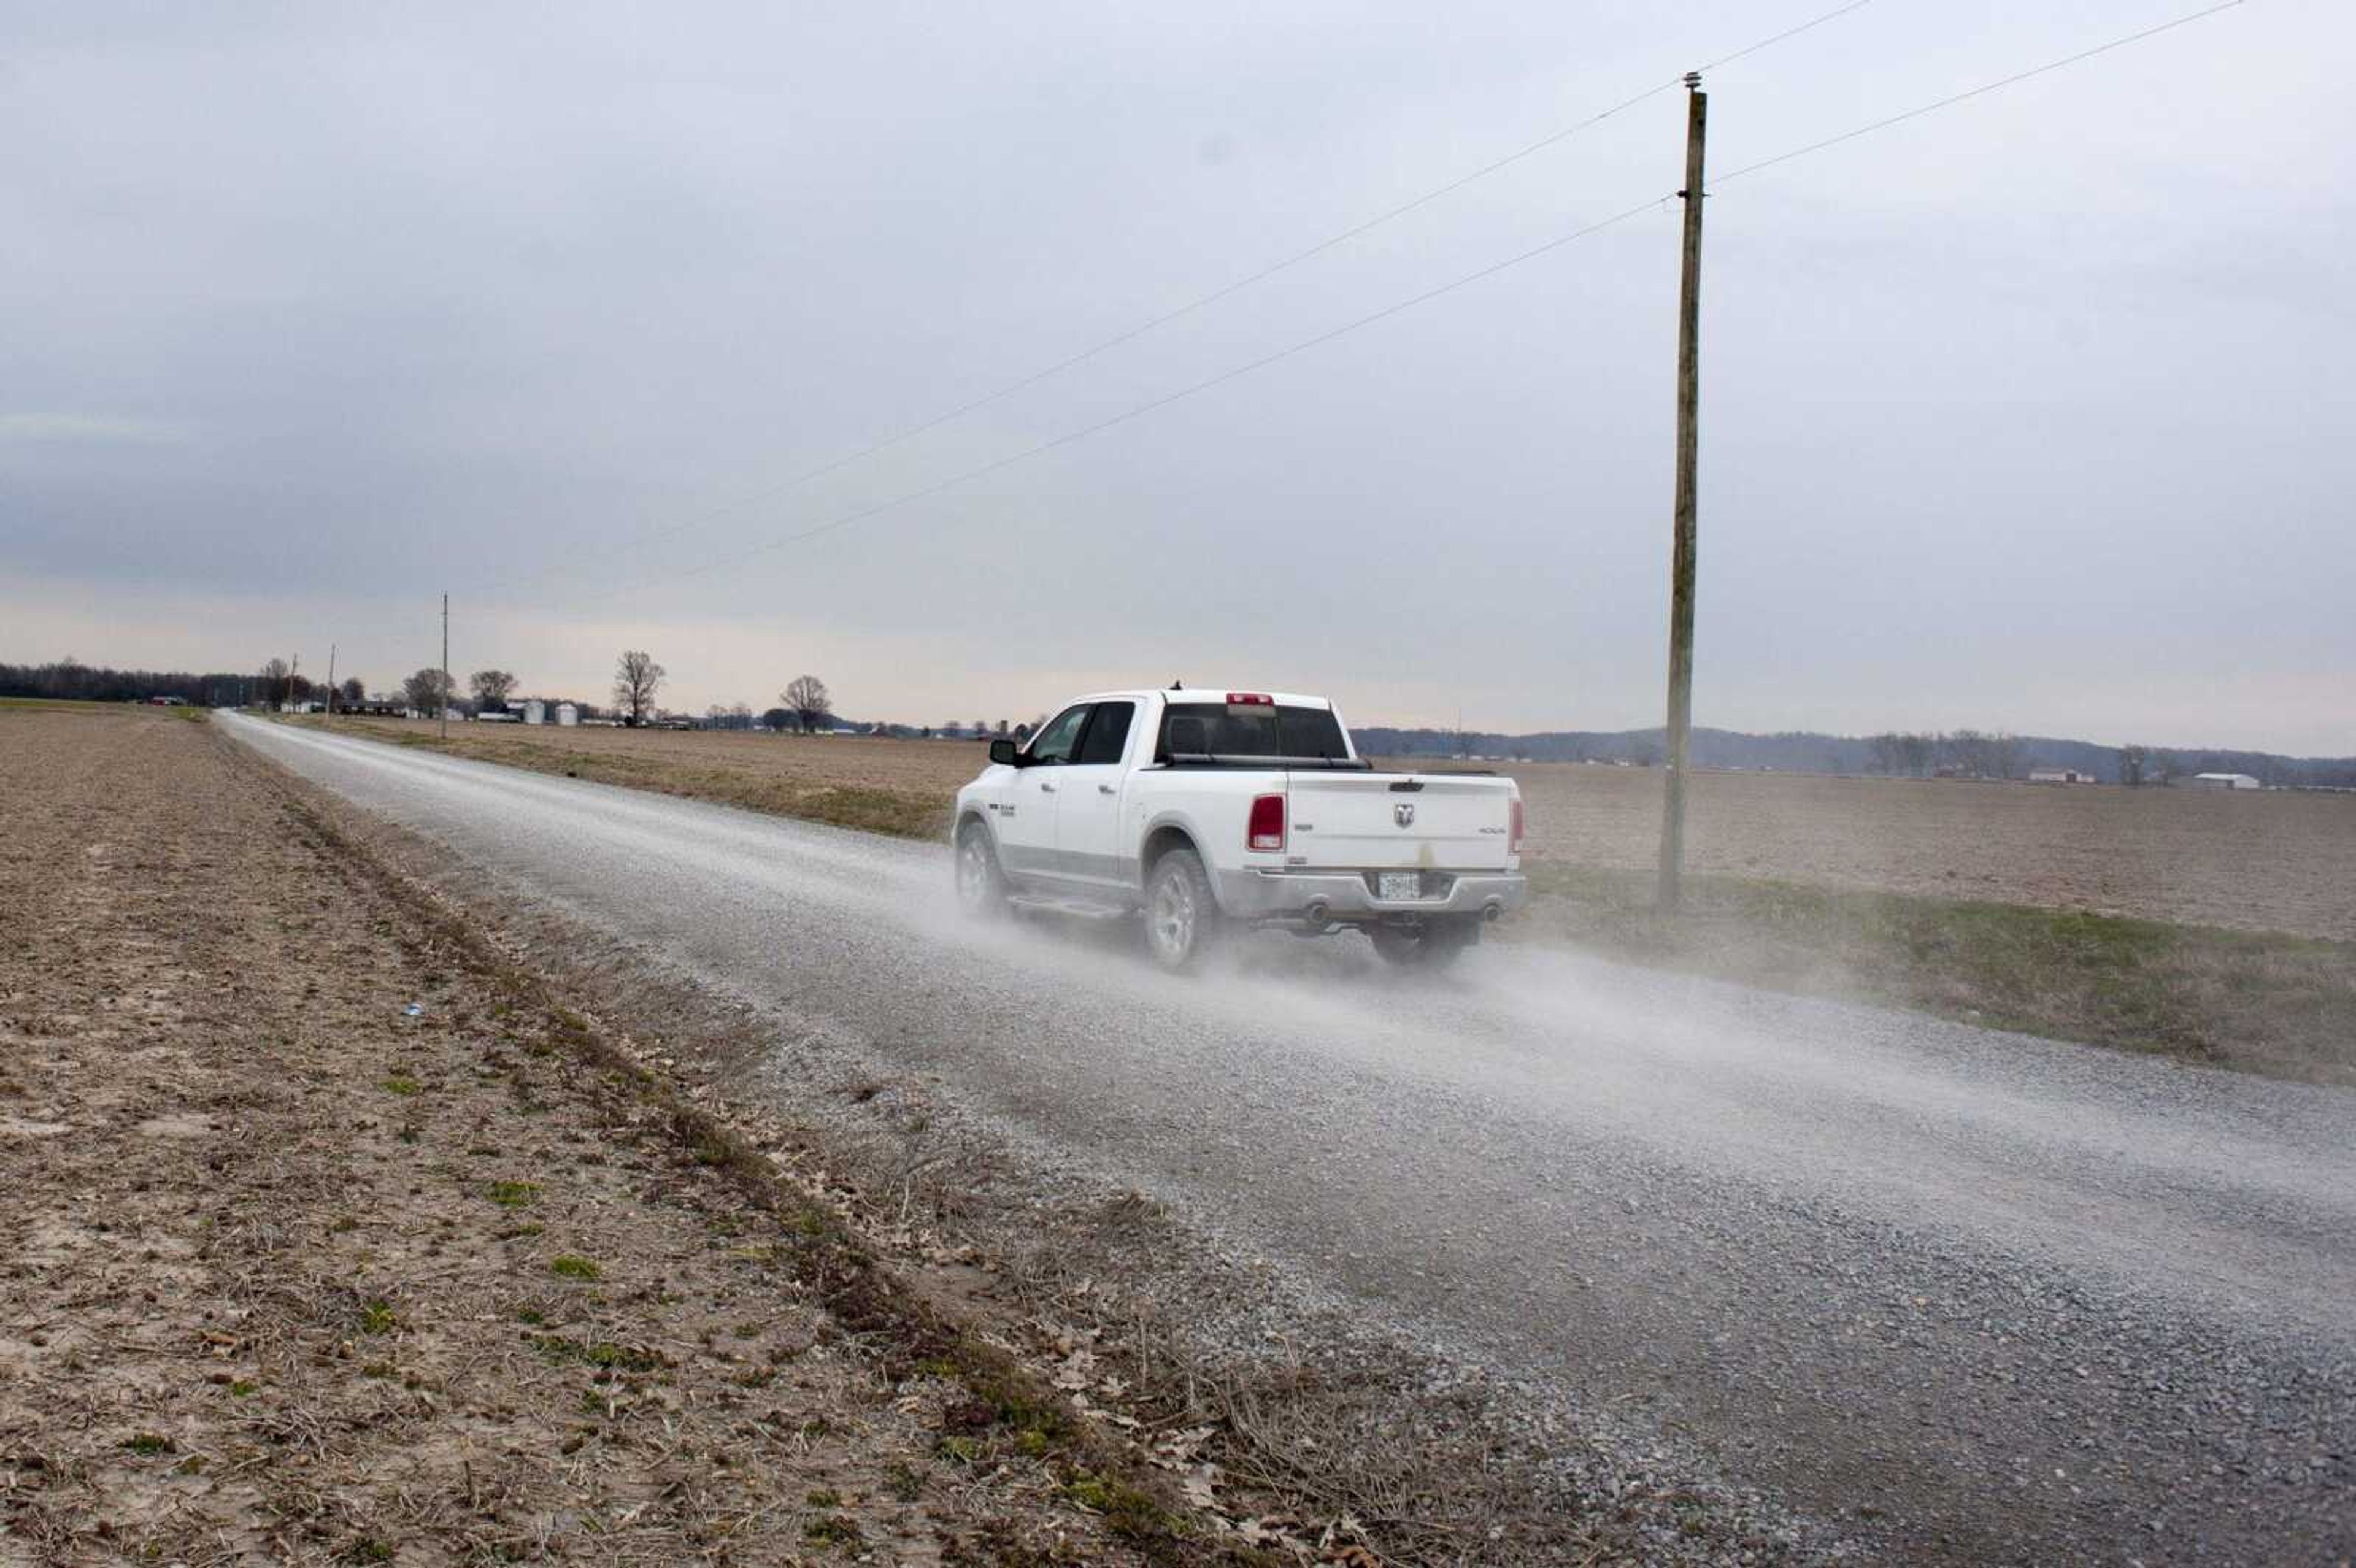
1805 751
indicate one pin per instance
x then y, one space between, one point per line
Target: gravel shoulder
327 1240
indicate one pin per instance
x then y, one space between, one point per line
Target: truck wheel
981 885
1434 946
1181 914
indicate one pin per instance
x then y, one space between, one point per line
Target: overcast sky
2033 414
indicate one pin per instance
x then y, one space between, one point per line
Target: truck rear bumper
1257 894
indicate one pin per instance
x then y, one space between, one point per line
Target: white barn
2225 780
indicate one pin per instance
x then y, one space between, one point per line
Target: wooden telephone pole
331 680
1681 567
444 682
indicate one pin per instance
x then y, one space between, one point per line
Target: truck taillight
1514 833
1266 829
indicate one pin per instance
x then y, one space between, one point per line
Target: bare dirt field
325 1243
2264 861
2257 861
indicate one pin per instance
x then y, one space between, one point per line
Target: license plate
1398 884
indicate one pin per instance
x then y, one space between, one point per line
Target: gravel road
1999 1299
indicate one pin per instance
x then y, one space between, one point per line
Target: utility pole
1681 566
444 682
293 670
331 680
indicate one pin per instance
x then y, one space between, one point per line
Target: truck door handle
1046 786
1107 789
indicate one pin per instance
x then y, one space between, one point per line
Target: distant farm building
2060 776
2224 781
567 714
535 711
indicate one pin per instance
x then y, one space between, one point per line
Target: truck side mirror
1002 753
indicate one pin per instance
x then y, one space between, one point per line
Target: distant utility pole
1681 568
444 682
293 668
331 680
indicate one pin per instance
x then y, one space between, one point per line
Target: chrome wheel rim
1173 917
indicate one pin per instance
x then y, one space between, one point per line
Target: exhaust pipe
1315 913
1491 910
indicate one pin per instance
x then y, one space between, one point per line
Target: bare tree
352 691
426 691
637 677
2131 759
492 687
1889 752
276 687
808 697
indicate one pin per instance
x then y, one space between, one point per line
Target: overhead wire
1225 291
863 514
1982 91
1163 402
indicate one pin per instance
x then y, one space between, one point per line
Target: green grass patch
515 1194
404 1086
603 1354
1127 1510
2261 1001
377 1317
570 1265
831 1530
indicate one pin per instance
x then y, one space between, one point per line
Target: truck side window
1108 734
1058 736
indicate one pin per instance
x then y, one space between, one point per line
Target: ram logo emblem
1403 812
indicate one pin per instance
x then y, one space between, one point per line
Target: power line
863 514
1225 291
1164 401
1986 88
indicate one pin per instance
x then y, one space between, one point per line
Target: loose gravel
1743 1277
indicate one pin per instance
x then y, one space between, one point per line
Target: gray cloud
2029 414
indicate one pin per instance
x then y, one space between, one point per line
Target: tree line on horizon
808 705
1966 753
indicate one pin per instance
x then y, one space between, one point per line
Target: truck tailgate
1376 821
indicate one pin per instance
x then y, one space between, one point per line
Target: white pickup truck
1206 809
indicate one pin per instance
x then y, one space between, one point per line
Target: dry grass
2260 1001
2216 927
902 788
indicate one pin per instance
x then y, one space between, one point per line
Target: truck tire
1435 945
1181 914
981 885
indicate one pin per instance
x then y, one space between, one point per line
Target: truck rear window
1214 728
